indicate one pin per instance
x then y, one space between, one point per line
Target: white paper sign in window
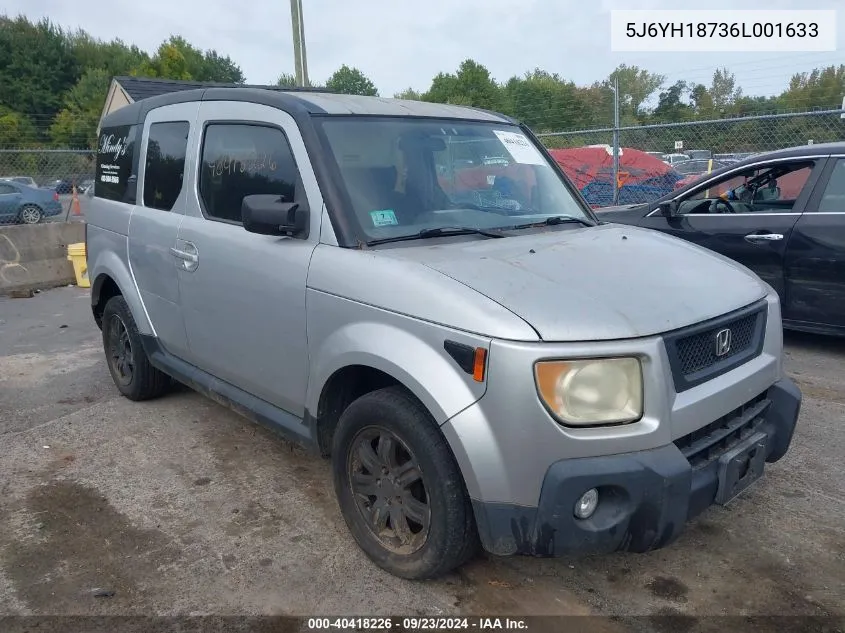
520 148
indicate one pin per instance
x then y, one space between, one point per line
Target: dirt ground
179 506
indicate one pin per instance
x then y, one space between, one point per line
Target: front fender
106 263
408 350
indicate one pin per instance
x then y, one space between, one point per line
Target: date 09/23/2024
417 623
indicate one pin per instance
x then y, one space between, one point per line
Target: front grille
698 351
703 351
707 444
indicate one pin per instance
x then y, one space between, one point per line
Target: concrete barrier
34 256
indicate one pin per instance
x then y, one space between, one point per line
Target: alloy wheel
120 351
389 491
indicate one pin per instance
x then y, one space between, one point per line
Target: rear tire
128 364
400 490
30 214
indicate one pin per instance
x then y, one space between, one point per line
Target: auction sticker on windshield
520 148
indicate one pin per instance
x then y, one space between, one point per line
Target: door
243 294
815 260
10 200
155 220
747 214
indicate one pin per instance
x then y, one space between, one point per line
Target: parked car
672 159
26 205
85 185
692 170
697 166
734 156
24 180
782 214
699 154
506 371
64 186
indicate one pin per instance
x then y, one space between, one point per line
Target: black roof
297 102
145 87
817 149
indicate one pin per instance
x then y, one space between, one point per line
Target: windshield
403 176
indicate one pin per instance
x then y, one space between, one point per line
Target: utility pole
300 63
616 140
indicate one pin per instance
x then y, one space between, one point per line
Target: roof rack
218 84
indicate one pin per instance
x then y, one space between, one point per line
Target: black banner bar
421 624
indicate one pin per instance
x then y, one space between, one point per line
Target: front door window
770 189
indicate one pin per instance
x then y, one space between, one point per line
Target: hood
600 283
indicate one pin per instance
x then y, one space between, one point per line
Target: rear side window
4 189
239 160
833 198
114 177
164 168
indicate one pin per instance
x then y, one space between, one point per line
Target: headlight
594 391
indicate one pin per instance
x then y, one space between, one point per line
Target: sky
399 44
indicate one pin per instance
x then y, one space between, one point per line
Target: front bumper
646 497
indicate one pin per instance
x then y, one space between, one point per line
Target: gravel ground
179 506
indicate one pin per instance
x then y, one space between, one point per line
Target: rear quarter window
165 164
115 178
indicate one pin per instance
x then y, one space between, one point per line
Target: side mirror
271 215
669 209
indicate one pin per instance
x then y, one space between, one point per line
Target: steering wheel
721 201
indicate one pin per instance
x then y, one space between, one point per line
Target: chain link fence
37 185
656 159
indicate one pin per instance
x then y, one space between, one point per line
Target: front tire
128 364
400 490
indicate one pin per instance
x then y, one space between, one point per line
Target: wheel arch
29 203
362 356
344 386
111 277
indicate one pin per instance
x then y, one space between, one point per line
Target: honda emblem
723 342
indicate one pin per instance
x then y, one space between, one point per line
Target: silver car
483 360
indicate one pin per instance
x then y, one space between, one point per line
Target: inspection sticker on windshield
520 148
385 217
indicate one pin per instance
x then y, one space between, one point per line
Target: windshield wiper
552 221
435 232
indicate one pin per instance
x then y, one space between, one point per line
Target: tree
351 81
36 67
544 101
636 85
76 124
670 107
597 102
746 106
217 67
723 89
702 101
168 63
409 94
823 87
177 59
472 85
16 130
115 57
286 81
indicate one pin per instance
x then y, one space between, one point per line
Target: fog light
587 504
